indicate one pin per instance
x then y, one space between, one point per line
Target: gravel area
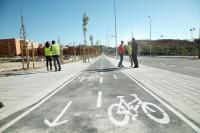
15 68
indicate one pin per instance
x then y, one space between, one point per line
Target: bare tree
23 36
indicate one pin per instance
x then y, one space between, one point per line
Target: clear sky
47 19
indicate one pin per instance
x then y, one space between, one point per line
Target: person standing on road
55 48
48 55
130 53
134 52
121 53
1 105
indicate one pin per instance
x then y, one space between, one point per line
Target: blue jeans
56 61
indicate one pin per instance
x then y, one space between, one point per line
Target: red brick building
11 47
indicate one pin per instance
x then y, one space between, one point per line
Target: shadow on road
108 69
103 69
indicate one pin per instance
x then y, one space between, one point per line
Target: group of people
52 51
132 51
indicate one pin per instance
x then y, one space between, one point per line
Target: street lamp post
199 33
191 30
150 33
161 36
107 40
115 29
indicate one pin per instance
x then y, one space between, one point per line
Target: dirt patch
16 68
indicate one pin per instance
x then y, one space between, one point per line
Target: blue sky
48 19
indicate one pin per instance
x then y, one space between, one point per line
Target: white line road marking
99 99
55 122
192 125
115 76
172 65
102 62
191 68
98 115
101 80
101 65
162 64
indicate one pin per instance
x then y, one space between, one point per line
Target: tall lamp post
150 33
161 36
115 29
194 48
199 33
107 41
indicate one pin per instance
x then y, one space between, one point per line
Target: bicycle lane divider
39 103
115 76
99 98
180 115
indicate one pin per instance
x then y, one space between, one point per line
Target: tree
85 22
23 36
91 39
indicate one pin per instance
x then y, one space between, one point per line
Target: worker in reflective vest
55 49
48 55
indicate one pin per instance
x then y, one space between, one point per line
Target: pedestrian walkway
179 90
19 92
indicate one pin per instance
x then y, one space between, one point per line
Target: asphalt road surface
89 104
183 65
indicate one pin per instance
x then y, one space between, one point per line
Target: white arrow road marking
101 80
99 99
55 122
82 78
115 76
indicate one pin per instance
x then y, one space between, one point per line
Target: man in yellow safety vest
55 49
48 55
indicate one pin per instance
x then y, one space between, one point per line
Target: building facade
11 47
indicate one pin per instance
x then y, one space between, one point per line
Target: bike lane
82 106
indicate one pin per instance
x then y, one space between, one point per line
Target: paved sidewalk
19 92
181 91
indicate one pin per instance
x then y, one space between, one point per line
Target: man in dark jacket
1 105
134 52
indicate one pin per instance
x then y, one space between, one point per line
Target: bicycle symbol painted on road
126 110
